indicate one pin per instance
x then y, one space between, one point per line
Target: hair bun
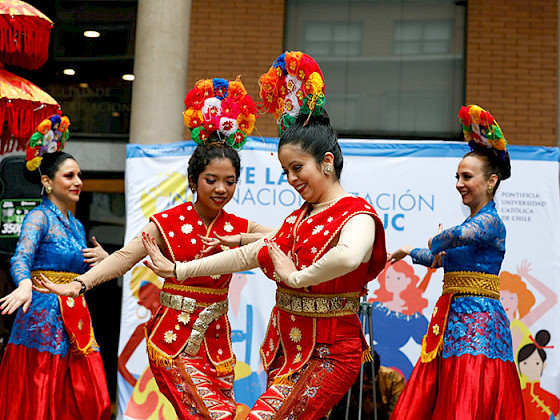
542 338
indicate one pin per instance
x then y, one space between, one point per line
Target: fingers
440 229
94 241
208 250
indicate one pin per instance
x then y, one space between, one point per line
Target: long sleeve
32 231
422 256
353 248
255 232
231 261
480 229
121 261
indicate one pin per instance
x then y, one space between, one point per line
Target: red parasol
24 35
22 107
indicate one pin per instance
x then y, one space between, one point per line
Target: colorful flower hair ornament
482 130
293 85
222 107
50 136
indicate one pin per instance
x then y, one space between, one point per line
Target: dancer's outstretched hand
283 264
94 255
399 254
227 240
20 296
158 263
44 285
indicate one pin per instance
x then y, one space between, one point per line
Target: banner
412 186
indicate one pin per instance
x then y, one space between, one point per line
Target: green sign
13 212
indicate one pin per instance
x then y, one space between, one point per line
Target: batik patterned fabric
477 345
49 241
314 389
195 389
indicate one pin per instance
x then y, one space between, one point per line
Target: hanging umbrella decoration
22 108
24 35
24 42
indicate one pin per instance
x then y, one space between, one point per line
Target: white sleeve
231 261
354 247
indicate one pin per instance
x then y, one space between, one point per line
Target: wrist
26 284
83 287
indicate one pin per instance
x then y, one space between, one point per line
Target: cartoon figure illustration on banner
518 302
146 402
397 313
249 384
539 403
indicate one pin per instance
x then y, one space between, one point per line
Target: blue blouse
48 241
476 325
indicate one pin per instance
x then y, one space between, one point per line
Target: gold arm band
320 305
58 277
472 283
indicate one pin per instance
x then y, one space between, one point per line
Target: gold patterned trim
317 305
195 289
58 277
471 283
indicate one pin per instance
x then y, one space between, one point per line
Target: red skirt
462 388
42 386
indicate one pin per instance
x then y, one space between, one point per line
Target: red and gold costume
188 340
314 343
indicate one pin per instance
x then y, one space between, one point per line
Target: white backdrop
412 187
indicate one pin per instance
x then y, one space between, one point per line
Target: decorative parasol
22 108
24 35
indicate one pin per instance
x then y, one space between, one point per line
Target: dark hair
50 164
542 338
206 153
493 164
314 135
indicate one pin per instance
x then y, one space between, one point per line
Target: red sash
77 323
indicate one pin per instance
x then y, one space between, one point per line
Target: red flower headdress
293 85
221 106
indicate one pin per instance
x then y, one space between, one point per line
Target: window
333 38
393 69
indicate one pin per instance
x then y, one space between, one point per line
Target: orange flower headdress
293 85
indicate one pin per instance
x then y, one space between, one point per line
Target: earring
328 170
489 190
48 189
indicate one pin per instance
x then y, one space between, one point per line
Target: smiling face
303 173
215 187
472 183
532 367
510 302
66 184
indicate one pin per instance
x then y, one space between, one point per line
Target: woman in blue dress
52 368
466 369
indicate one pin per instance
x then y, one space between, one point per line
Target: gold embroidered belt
209 314
471 283
58 277
317 305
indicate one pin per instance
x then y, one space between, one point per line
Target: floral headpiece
481 129
293 85
218 105
50 136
